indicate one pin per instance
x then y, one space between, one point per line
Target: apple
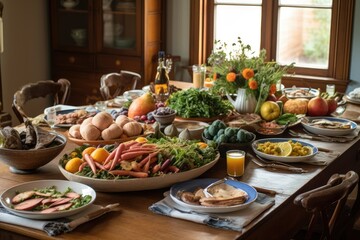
270 110
317 106
332 104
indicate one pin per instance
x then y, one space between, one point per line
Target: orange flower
248 73
272 89
253 85
230 77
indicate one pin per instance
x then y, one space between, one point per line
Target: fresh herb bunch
192 103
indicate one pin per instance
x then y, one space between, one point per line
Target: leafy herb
193 102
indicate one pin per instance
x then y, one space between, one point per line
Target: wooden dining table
136 221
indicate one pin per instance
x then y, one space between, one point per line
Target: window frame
202 39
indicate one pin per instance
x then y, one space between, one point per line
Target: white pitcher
243 103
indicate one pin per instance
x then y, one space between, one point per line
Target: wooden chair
59 92
115 84
327 205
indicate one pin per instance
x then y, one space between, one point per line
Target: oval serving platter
192 185
306 123
281 158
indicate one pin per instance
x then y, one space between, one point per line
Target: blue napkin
232 220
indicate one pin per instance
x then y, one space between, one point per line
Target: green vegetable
194 102
229 132
241 136
286 118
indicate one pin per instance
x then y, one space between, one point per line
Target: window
315 34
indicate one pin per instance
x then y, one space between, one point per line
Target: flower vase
244 103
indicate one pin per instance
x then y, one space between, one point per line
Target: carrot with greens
129 173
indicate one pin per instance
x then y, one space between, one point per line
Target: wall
355 51
26 48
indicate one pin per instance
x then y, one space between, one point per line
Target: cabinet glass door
120 25
72 24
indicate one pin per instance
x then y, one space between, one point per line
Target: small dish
196 128
296 92
270 128
281 158
192 185
133 94
61 186
307 123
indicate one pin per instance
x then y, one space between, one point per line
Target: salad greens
193 102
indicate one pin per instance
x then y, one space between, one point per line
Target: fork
258 162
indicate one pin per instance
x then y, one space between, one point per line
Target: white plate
61 186
280 158
191 186
138 184
328 131
312 92
351 100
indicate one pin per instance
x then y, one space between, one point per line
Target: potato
74 131
121 120
102 120
90 132
132 129
112 132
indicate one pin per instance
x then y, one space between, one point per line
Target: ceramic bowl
22 161
133 94
196 128
165 119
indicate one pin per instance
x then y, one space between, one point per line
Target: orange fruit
202 145
141 140
99 155
73 165
88 150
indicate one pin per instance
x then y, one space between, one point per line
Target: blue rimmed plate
307 123
282 158
298 92
192 185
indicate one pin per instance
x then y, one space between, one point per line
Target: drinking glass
51 117
235 162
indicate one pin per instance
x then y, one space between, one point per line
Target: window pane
323 3
307 44
232 22
252 2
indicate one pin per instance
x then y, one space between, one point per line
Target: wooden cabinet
92 37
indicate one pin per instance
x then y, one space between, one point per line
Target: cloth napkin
56 226
232 221
322 158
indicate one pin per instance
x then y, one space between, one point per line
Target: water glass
330 89
51 116
235 162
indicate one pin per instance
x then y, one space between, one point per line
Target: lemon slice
285 148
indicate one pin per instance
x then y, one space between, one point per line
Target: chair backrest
115 84
59 92
327 202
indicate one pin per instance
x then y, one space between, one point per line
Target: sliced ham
28 204
22 196
60 202
73 195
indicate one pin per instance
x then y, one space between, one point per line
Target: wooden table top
135 221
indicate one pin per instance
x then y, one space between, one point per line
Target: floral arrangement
235 69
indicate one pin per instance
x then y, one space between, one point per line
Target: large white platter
280 158
327 131
61 186
191 186
138 184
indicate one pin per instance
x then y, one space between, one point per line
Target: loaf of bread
296 106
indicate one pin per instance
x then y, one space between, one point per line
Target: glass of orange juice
235 162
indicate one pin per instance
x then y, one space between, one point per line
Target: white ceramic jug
244 103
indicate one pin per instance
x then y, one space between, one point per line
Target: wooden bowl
24 161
